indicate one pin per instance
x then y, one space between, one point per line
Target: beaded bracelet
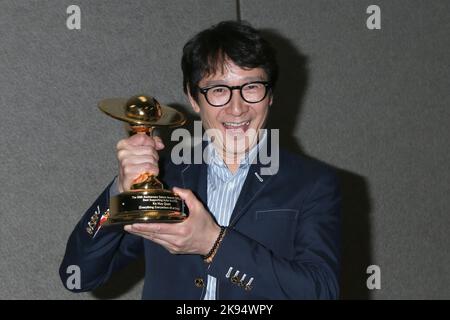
210 255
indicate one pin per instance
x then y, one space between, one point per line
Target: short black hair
237 41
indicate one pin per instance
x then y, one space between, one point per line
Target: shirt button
199 283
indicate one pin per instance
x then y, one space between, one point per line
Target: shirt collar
213 158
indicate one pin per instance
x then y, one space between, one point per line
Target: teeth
236 124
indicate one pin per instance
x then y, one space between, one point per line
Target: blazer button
199 283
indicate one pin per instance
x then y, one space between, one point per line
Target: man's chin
234 143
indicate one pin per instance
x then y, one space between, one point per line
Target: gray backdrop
372 103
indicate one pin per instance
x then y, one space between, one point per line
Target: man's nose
237 106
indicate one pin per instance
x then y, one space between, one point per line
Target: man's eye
253 86
218 90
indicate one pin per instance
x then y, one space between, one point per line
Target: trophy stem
146 180
148 130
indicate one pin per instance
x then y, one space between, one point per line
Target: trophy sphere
142 110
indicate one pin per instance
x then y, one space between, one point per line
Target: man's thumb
158 142
187 196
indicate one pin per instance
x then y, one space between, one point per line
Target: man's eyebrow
209 83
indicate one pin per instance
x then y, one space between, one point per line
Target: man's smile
236 126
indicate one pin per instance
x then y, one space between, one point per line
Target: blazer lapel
253 185
250 190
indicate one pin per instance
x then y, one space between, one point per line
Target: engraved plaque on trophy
147 201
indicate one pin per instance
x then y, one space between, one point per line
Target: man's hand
195 235
137 154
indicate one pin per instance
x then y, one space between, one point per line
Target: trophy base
131 217
146 206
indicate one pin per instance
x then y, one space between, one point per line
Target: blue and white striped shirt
223 190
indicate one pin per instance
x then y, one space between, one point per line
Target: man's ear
192 101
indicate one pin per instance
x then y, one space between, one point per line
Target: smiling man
248 236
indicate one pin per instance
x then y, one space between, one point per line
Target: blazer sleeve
313 273
97 255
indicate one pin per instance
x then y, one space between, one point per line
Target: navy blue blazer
284 236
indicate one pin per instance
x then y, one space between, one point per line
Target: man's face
237 122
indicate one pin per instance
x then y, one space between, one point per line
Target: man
248 235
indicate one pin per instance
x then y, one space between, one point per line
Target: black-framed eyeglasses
251 92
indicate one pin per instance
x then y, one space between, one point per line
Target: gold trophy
147 201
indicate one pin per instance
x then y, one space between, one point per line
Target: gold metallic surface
146 181
142 110
118 216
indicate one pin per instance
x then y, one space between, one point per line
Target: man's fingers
141 139
167 241
157 228
133 171
140 159
136 151
135 140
